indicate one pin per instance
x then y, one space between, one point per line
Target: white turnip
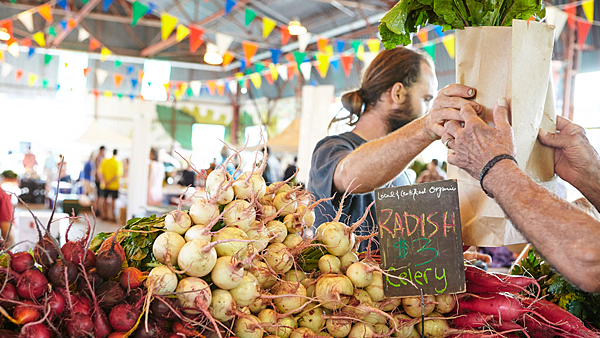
194 295
337 238
285 202
329 264
162 280
360 274
222 306
263 274
247 291
285 327
292 240
312 318
268 320
338 328
276 231
246 188
259 234
198 232
248 327
239 214
412 305
389 304
203 211
278 258
167 244
382 329
295 296
405 327
375 289
362 330
348 259
197 258
266 209
258 305
445 303
433 328
295 276
303 332
330 290
231 248
219 187
227 273
178 222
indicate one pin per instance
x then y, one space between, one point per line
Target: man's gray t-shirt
326 156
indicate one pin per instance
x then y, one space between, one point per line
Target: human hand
475 144
446 106
575 160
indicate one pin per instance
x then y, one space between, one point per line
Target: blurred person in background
6 207
433 173
155 179
188 176
29 162
49 166
291 169
86 175
98 159
110 170
273 168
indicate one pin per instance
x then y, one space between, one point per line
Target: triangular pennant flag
303 41
189 92
86 71
13 48
168 87
195 86
430 49
134 83
340 45
140 75
211 87
558 18
120 95
256 80
220 88
227 58
323 64
588 10
306 70
374 45
45 11
131 96
273 71
18 75
138 10
250 49
107 94
96 92
448 42
195 39
182 32
259 67
1 56
52 31
335 64
30 52
439 30
268 26
355 44
423 35
292 70
63 24
39 38
167 24
182 86
6 69
285 35
360 53
151 8
47 59
282 70
62 4
118 64
232 86
25 43
329 50
299 58
347 61
583 29
223 42
130 70
275 55
44 84
250 15
94 44
71 24
8 25
269 78
82 35
177 93
314 82
31 79
26 19
101 75
571 10
106 4
321 43
104 53
229 4
242 65
118 78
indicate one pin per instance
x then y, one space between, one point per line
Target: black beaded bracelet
489 166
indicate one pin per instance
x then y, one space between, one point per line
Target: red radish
8 293
21 261
131 278
32 284
35 331
26 312
110 294
472 320
62 273
555 314
503 305
80 325
110 262
123 317
480 281
102 326
56 302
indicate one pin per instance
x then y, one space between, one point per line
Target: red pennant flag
250 49
572 12
86 71
8 25
18 74
96 92
211 87
321 43
347 61
94 44
195 38
292 70
118 80
25 43
71 23
290 57
583 29
269 78
285 35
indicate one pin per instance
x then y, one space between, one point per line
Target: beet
81 305
90 259
154 330
73 252
135 296
109 264
80 325
102 326
110 294
56 302
123 317
36 331
7 334
131 278
95 281
57 273
45 252
161 311
8 293
32 284
107 244
26 312
117 335
21 262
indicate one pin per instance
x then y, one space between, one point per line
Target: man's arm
566 236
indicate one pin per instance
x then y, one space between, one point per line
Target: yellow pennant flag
1 56
104 53
588 10
329 50
167 24
182 32
268 25
183 87
107 94
177 94
40 39
273 70
360 53
31 79
323 64
256 80
374 45
448 42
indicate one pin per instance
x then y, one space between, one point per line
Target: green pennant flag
299 58
249 71
118 63
85 1
250 15
139 10
259 67
120 96
431 51
52 31
355 45
47 59
189 92
13 1
44 83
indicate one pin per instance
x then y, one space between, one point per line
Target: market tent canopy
100 135
286 141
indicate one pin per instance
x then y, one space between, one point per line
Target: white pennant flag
6 69
303 41
306 68
558 18
101 75
232 87
83 34
27 19
282 70
223 42
196 85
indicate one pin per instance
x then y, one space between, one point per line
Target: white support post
140 159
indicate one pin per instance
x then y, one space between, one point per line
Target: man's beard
400 117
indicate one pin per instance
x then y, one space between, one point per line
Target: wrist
496 177
427 132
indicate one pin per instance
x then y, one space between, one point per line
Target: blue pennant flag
62 3
57 87
131 96
242 65
134 83
229 6
340 45
313 83
106 5
275 55
151 8
129 70
335 64
438 30
30 52
63 24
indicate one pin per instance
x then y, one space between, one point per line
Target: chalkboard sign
421 241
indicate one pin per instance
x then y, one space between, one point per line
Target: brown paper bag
512 62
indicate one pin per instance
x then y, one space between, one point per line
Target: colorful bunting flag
448 42
189 92
44 83
13 48
31 79
423 35
118 78
182 32
250 15
558 18
120 95
335 64
303 41
195 39
26 19
47 59
1 56
195 86
8 25
52 31
374 45
321 43
138 10
45 11
151 8
323 64
242 65
268 26
129 70
229 4
6 69
275 55
71 24
96 92
227 58
62 3
104 53
588 10
86 71
355 45
583 29
256 80
107 94
82 35
94 44
269 78
220 88
299 58
347 61
106 4
439 30
291 71
282 70
285 35
39 38
134 83
273 71
430 49
360 53
250 49
30 52
306 70
232 86
211 87
340 45
63 24
18 74
223 42
571 10
167 24
101 76
118 63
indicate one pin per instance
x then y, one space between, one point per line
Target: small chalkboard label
421 241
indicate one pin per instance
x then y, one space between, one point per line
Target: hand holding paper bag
447 105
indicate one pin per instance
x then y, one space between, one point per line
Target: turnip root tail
348 191
362 219
62 161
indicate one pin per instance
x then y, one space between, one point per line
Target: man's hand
476 143
575 160
446 106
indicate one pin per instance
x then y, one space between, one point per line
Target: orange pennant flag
269 78
118 80
18 74
46 12
94 44
285 35
211 87
227 58
250 49
347 61
86 71
221 89
321 43
423 35
71 23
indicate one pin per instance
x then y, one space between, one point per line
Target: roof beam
85 10
352 4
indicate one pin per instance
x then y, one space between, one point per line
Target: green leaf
523 10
